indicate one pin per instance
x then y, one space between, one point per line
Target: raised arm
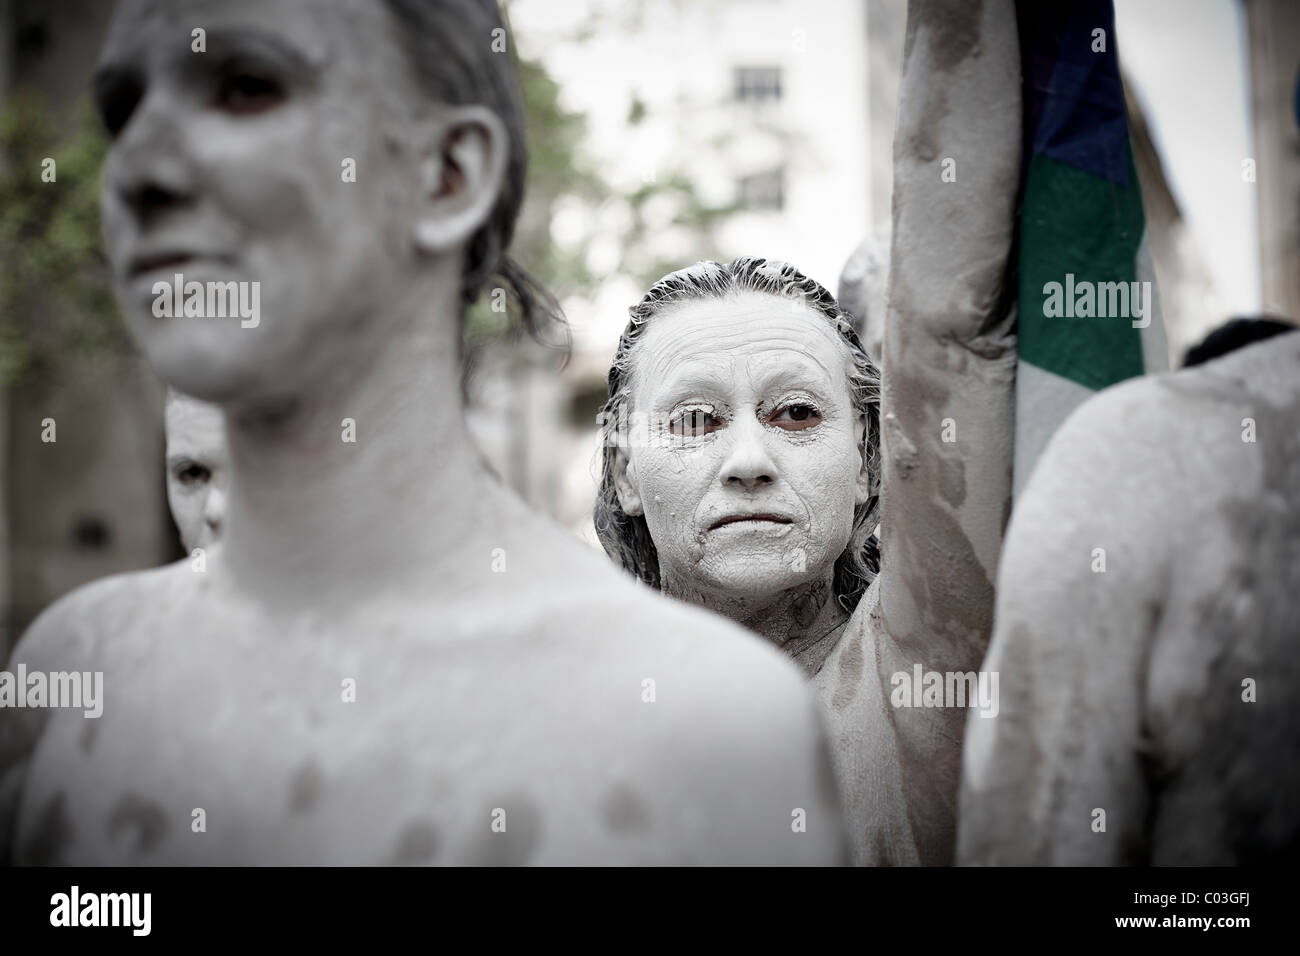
949 374
949 368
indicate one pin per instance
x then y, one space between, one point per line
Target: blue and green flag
1089 312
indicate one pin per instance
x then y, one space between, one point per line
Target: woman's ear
462 168
625 483
862 491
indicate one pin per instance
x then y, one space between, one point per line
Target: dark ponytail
532 306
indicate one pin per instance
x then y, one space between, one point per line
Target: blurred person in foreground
390 659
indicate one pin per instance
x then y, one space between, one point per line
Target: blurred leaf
55 295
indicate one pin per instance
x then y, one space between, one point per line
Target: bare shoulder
65 637
727 727
1108 430
1146 453
69 631
743 727
580 594
1163 419
1112 491
722 664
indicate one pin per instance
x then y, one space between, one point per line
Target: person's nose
748 464
214 509
149 169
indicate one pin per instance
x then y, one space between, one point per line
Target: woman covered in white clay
388 658
198 469
742 467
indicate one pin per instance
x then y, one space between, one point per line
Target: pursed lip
751 516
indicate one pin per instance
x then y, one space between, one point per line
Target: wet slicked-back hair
450 47
626 538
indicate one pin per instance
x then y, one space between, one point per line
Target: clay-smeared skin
196 435
746 357
623 810
52 831
417 844
517 688
461 708
304 788
949 353
137 825
1123 690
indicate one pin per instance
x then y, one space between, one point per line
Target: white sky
1187 61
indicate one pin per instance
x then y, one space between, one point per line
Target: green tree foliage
55 293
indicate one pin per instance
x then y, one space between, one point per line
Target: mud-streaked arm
949 375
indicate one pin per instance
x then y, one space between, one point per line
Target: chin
214 360
211 371
747 579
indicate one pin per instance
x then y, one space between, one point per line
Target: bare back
1160 690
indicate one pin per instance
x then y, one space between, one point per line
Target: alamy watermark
84 689
208 300
923 688
1102 300
130 910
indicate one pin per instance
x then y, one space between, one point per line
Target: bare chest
218 745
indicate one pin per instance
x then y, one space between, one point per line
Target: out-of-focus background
662 132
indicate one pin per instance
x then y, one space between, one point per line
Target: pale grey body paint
949 353
350 680
745 362
1123 690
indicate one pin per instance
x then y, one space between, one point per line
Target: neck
804 622
314 518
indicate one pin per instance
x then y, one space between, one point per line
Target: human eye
192 473
796 415
695 421
246 87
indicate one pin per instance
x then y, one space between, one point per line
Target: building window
763 191
757 84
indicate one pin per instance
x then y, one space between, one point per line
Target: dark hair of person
1235 334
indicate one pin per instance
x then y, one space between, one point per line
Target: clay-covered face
753 468
198 469
227 165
